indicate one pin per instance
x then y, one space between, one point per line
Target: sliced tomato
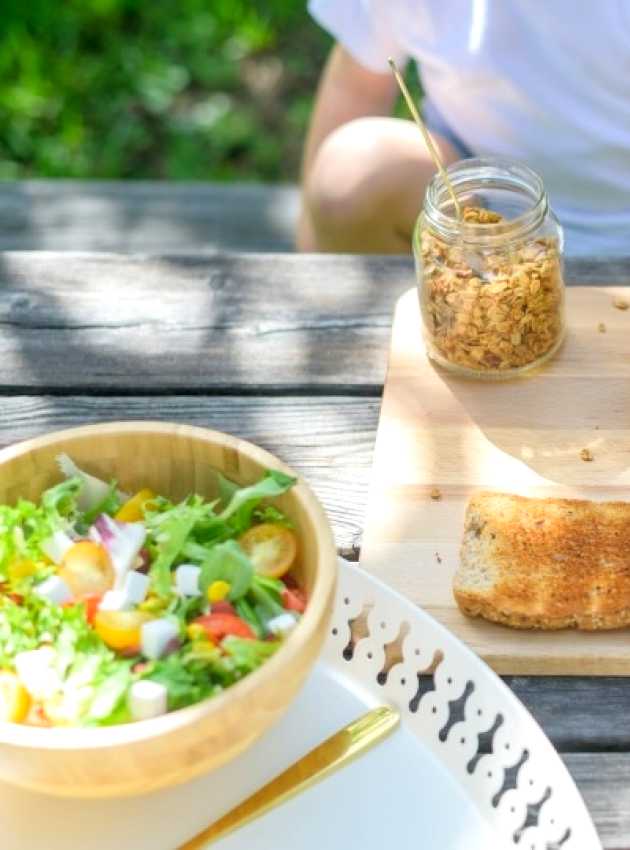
218 625
87 569
91 602
223 607
120 630
133 509
271 548
14 699
294 599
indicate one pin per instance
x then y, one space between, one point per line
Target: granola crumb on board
620 303
436 494
586 454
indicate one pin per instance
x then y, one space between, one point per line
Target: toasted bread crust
545 563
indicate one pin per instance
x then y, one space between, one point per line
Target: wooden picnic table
287 351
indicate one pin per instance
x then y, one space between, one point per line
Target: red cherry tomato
223 607
91 603
218 625
294 599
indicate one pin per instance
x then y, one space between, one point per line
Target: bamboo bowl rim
77 737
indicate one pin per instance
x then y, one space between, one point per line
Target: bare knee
338 203
366 187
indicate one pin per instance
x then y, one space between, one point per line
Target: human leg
366 186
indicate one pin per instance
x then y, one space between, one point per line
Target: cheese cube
54 589
114 600
282 624
136 587
187 580
147 699
156 635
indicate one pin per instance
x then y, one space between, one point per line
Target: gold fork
333 753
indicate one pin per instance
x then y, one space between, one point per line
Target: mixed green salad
116 608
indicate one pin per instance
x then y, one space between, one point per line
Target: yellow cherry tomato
271 548
14 699
120 629
86 569
20 568
218 590
133 509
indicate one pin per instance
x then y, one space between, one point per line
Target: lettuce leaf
244 500
248 655
173 529
227 562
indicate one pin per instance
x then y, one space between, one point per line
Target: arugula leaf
266 599
227 562
246 612
243 502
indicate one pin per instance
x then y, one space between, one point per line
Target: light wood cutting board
523 436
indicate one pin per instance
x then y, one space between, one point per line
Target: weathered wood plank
578 713
223 322
328 440
214 323
604 780
146 216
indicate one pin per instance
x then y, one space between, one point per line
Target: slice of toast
545 563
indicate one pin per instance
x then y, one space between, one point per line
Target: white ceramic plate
468 769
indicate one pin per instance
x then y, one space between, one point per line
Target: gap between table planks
523 435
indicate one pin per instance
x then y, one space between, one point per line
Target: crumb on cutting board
436 494
620 303
601 327
437 558
586 454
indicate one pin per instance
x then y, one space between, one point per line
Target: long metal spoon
333 753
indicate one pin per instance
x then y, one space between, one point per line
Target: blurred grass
178 89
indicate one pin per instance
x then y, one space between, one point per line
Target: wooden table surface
290 352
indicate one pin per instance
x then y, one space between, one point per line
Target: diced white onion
54 589
36 671
187 580
282 624
136 587
156 635
147 699
55 547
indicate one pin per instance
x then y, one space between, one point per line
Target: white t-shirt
546 82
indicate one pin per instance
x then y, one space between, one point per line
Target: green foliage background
180 89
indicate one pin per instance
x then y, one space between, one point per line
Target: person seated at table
544 83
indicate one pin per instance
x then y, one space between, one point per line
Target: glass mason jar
491 282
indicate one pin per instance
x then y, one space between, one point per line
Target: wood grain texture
604 781
146 216
212 323
199 323
329 440
136 758
523 436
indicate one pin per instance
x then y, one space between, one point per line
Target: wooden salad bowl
134 758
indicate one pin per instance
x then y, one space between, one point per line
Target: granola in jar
491 295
